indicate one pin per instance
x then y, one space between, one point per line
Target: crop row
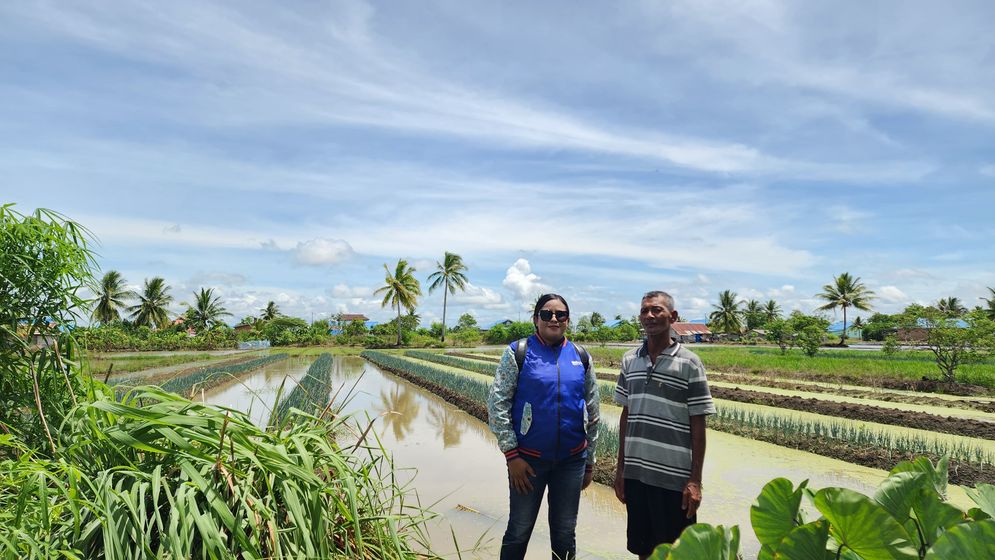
205 378
311 393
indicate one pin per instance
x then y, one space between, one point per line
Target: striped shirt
661 398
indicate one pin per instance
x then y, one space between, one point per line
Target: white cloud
522 282
784 291
481 297
343 291
891 294
318 252
987 170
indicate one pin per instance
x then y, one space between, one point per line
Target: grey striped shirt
661 398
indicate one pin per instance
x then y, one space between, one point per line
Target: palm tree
207 311
846 291
951 307
270 312
772 310
111 298
153 301
858 324
727 316
401 290
991 304
754 315
449 275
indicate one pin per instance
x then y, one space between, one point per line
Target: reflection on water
256 393
448 426
400 408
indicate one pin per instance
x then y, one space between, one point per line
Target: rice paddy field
426 408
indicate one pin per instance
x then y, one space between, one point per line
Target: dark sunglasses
547 315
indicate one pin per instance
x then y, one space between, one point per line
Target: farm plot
192 380
868 443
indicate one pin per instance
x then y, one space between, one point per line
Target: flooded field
453 462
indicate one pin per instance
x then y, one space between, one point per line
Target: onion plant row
464 363
311 394
207 377
157 476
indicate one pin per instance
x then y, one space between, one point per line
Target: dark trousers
563 479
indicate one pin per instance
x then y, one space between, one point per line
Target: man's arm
692 489
623 422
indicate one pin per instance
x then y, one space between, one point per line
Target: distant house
243 328
336 326
503 322
690 332
920 332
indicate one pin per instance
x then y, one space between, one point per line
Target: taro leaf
897 492
807 542
964 541
938 475
864 526
775 510
978 514
702 541
766 553
984 496
934 516
661 552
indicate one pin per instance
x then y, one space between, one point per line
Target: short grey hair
666 297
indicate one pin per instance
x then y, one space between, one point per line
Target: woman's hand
519 472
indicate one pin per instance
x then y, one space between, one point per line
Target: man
664 397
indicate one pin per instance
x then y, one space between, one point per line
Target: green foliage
472 387
170 478
270 312
500 334
466 321
46 262
311 394
879 326
727 316
781 333
127 336
209 376
597 319
701 541
890 346
401 289
285 331
449 276
111 296
467 337
207 311
951 342
810 339
484 368
152 309
846 291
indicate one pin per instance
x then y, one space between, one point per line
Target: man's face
655 316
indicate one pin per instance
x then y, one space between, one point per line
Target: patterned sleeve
699 397
500 400
622 388
593 399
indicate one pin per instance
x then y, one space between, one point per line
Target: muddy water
256 393
460 473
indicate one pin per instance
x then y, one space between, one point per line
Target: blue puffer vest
549 409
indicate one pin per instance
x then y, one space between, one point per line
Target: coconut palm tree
951 307
207 310
270 312
754 315
111 298
153 302
727 317
990 311
448 275
401 290
845 291
772 310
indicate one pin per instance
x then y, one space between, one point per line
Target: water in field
459 472
256 392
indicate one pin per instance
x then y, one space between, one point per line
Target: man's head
656 313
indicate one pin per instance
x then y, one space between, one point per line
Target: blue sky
286 151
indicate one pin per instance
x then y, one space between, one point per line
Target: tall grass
177 479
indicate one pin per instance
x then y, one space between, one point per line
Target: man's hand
519 472
620 487
588 477
691 498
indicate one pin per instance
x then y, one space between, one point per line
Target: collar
671 350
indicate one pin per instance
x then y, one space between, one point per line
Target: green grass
855 366
127 364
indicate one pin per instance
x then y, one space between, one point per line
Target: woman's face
552 329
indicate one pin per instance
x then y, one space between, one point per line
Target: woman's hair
544 299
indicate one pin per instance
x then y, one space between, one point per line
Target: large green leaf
934 515
984 496
775 511
938 475
897 492
862 525
807 542
702 541
965 541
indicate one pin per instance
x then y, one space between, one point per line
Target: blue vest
550 408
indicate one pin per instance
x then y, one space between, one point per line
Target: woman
543 408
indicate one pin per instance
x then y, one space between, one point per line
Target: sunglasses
547 315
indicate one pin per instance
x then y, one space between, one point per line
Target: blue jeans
564 479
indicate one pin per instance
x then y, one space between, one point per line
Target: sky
288 151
